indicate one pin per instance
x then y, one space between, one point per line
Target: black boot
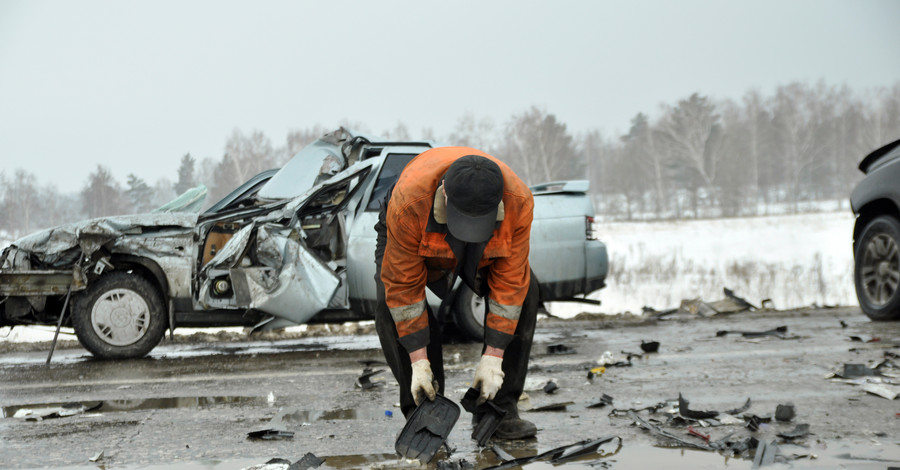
512 428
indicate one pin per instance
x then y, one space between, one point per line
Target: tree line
699 157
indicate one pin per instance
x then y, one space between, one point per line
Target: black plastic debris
801 430
743 408
551 387
562 454
683 410
554 406
364 381
779 332
650 346
765 454
270 434
560 349
487 416
306 462
754 421
427 429
857 370
785 412
659 431
864 339
604 401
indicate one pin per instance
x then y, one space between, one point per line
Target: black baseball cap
474 186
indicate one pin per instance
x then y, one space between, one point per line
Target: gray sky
136 85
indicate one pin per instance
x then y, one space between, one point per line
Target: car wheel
877 269
119 316
470 312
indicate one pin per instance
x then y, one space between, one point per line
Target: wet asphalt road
191 406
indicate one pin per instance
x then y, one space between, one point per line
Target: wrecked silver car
288 247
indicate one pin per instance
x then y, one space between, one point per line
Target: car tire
119 316
470 313
877 269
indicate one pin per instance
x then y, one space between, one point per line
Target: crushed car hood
91 234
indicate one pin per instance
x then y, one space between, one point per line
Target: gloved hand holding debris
489 376
423 383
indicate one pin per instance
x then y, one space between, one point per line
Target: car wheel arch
146 268
870 211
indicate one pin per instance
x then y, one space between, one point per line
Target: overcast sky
136 85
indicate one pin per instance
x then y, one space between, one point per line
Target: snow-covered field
795 260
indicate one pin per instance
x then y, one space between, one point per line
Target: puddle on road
627 457
111 406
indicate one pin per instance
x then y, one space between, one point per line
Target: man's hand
489 376
423 383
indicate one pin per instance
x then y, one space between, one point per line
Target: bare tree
244 157
140 194
470 131
102 195
186 179
539 148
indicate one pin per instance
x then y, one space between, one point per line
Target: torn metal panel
90 235
40 283
289 282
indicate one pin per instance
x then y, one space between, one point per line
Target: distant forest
698 157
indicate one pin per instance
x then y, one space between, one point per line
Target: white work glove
423 383
489 376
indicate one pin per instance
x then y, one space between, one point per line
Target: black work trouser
515 357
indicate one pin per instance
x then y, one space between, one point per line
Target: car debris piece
595 371
461 464
604 401
487 416
858 370
607 359
427 429
882 390
694 432
650 346
97 457
864 339
365 382
692 414
554 406
801 430
754 423
308 461
562 454
743 408
560 349
785 412
502 454
270 434
765 454
779 332
657 430
551 387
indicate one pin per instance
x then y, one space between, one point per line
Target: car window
390 171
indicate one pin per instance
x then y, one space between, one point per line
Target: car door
361 240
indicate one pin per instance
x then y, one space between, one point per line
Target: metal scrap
765 454
779 332
562 454
657 430
692 414
801 430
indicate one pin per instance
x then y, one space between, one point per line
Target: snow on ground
795 260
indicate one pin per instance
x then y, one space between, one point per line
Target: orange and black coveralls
414 250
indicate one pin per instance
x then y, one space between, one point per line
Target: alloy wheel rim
120 317
881 269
